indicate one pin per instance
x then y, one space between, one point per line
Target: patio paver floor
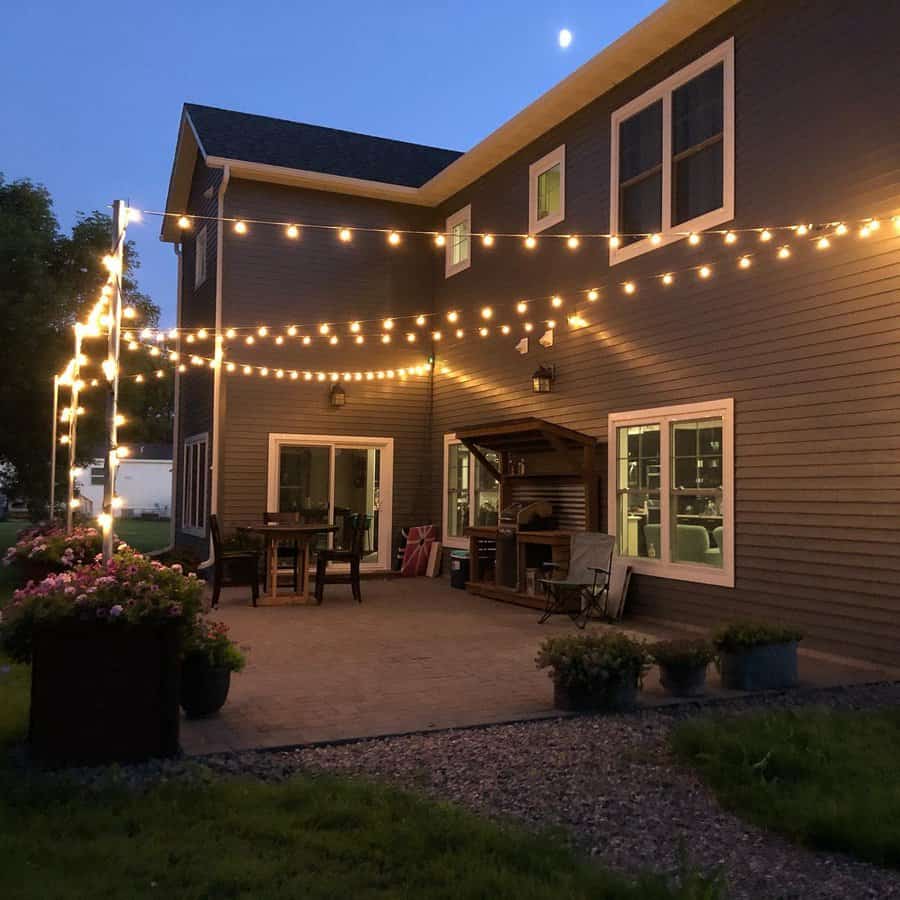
416 655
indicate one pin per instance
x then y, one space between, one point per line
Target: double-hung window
458 246
200 257
547 191
672 507
672 157
471 493
194 479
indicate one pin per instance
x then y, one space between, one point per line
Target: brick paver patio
416 655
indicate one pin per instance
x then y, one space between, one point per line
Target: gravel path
608 780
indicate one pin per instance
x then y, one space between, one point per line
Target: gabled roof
313 148
327 159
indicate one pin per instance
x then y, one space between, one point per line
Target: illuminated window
471 493
547 191
672 509
458 248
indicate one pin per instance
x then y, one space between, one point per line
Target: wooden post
119 222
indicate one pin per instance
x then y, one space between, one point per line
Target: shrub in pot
104 642
210 657
594 672
755 656
682 665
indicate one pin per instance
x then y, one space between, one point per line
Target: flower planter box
763 668
204 688
617 697
104 692
683 681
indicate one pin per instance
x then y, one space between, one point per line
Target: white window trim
664 416
535 170
462 215
724 54
196 530
386 479
200 256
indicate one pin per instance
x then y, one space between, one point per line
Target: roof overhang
662 30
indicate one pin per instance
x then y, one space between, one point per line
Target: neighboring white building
143 481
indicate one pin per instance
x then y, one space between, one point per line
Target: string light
439 240
556 301
841 230
765 235
345 235
693 239
655 239
262 331
823 243
452 316
354 327
593 294
487 240
483 332
528 326
668 278
324 328
530 242
704 271
410 337
385 339
420 320
184 222
614 242
730 237
292 231
521 307
359 339
393 238
436 335
744 262
504 329
292 331
629 287
784 252
240 227
387 324
333 340
573 243
802 230
487 312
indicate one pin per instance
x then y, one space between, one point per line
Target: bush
49 546
593 663
733 637
682 654
209 641
129 589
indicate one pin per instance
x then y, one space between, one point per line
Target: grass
826 779
312 838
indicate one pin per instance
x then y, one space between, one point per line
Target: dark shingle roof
294 145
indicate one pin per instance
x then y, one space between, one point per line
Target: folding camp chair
590 563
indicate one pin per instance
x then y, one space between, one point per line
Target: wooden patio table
272 535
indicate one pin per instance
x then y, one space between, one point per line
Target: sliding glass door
332 480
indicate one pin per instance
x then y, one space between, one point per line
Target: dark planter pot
104 692
619 696
683 681
204 688
764 668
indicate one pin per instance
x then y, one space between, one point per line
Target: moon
565 38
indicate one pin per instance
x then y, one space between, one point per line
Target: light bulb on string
745 262
841 229
694 239
530 242
704 271
556 301
656 239
668 279
765 235
487 240
460 333
240 227
420 320
573 242
354 327
359 339
387 324
528 326
333 340
307 340
292 331
593 294
439 240
730 237
487 312
324 328
393 238
504 329
629 287
292 231
184 223
521 307
784 252
452 316
230 334
823 243
345 235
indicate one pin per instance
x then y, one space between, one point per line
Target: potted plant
754 656
682 665
210 657
599 672
104 642
46 548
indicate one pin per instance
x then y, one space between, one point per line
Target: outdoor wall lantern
337 396
542 380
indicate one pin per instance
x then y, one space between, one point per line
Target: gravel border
607 780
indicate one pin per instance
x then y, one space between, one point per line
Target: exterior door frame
277 440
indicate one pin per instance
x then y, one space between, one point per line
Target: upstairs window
458 247
547 191
200 257
672 157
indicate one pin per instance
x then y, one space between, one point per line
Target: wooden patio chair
237 568
360 525
288 551
590 565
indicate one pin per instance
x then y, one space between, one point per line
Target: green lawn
829 780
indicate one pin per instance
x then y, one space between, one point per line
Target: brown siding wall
198 309
806 347
270 279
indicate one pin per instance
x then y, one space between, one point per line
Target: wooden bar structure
561 468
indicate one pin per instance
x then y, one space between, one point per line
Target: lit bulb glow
655 239
184 222
784 252
745 262
615 242
439 240
593 295
324 328
387 324
629 287
483 332
487 240
333 340
841 230
292 232
393 238
521 307
765 235
359 339
420 320
531 242
240 227
573 243
730 238
452 316
504 329
354 327
668 279
694 239
487 312
345 235
823 243
704 271
411 338
556 301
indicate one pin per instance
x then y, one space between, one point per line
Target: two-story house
740 370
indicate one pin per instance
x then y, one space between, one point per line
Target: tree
49 281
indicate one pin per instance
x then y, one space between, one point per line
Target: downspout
217 371
175 428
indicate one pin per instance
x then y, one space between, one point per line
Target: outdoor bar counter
539 462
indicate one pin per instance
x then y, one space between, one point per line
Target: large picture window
672 157
196 470
471 493
672 509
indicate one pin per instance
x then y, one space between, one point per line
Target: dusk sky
93 91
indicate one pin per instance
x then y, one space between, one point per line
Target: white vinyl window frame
664 567
335 442
723 54
200 257
195 456
556 157
457 542
461 217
